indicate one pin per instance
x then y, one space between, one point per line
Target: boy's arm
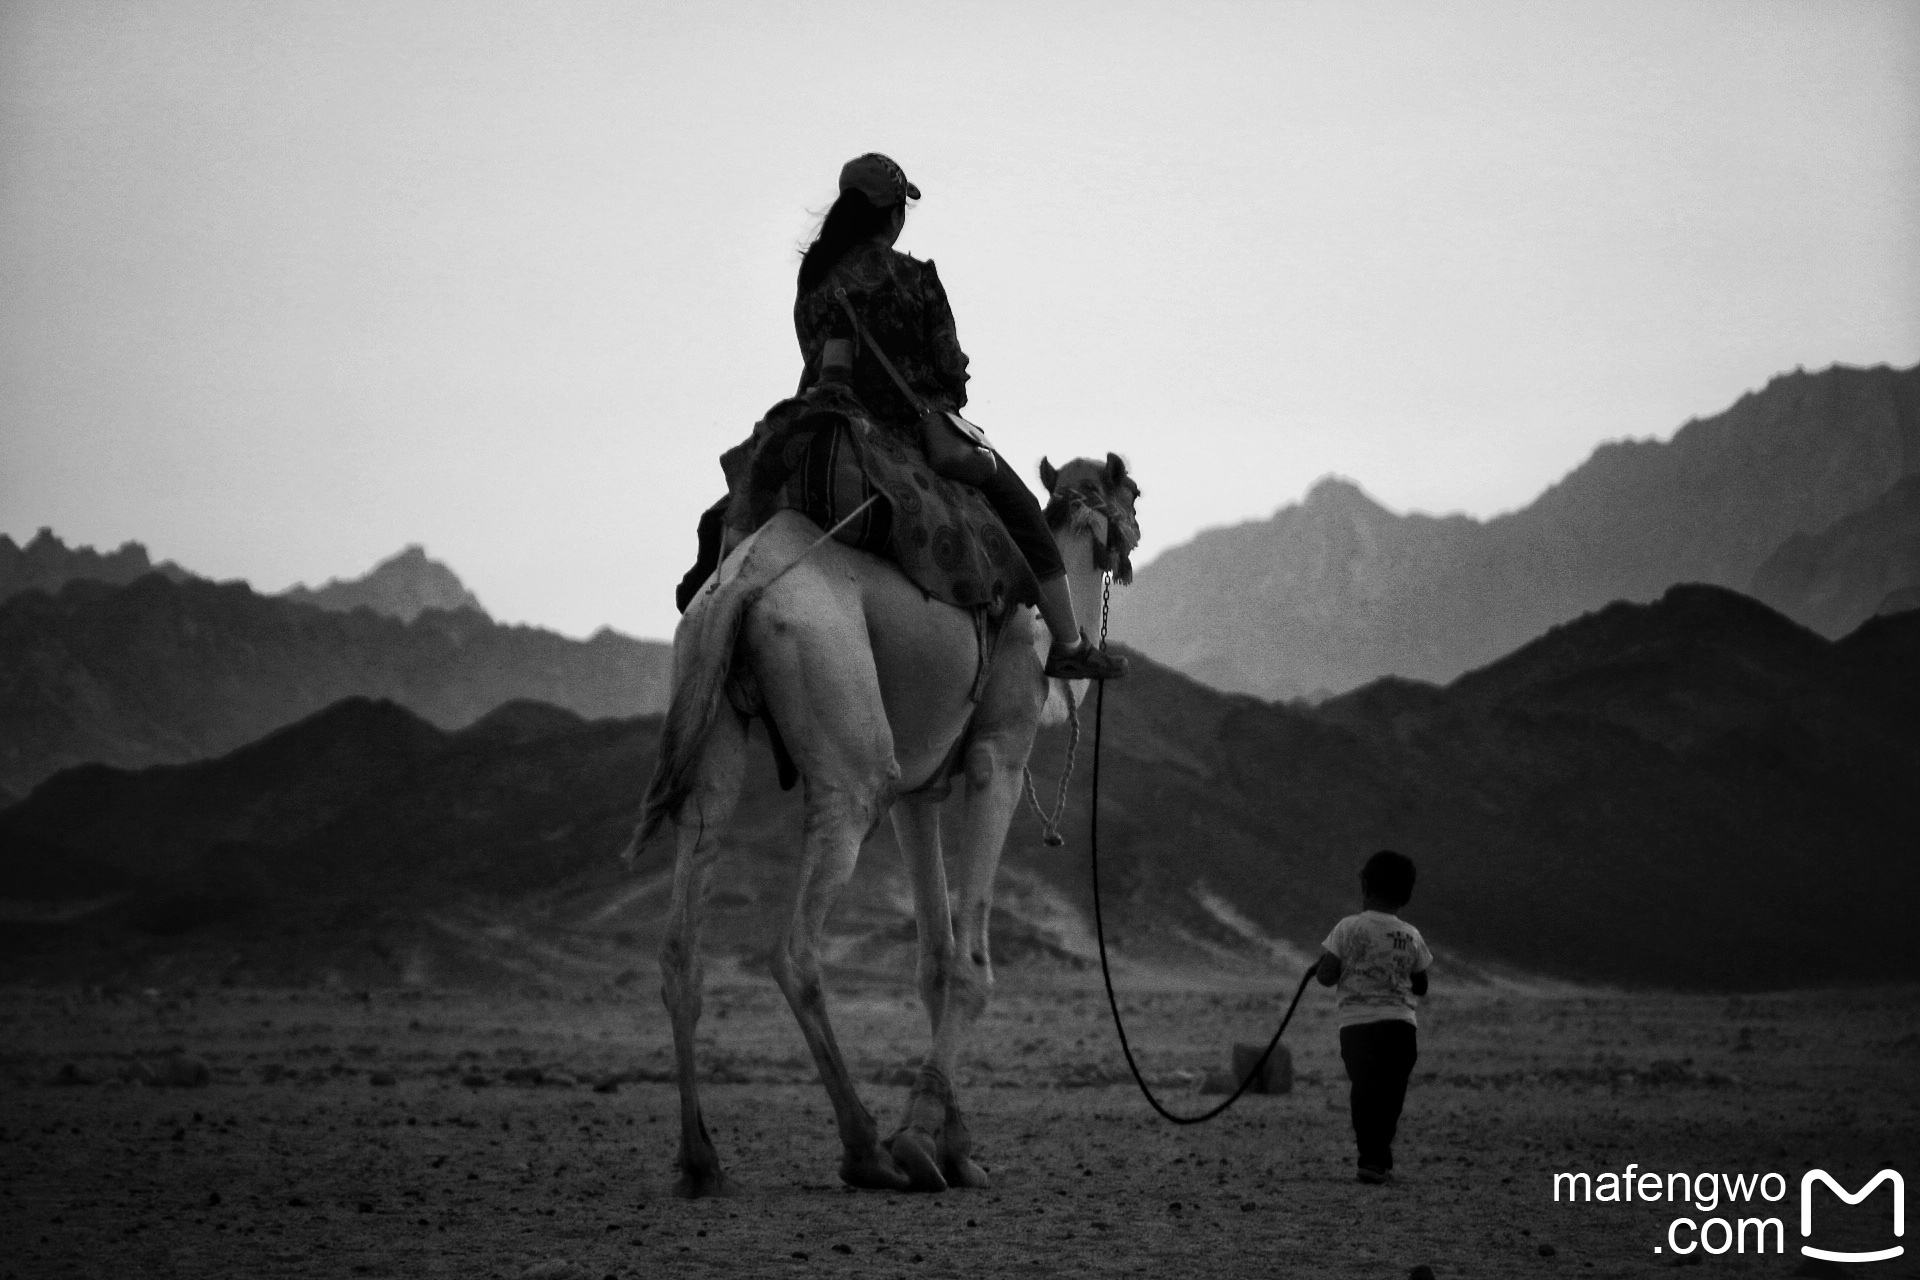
1423 960
1327 968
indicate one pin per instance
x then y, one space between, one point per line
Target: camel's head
1096 497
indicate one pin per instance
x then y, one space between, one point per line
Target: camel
871 687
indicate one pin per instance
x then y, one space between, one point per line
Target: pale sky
285 286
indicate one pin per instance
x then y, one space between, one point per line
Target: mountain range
1691 793
1336 590
1603 776
47 564
162 671
402 586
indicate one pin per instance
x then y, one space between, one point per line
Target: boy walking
1380 963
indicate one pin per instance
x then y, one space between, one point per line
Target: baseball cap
879 179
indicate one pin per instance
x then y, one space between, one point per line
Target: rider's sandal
1084 662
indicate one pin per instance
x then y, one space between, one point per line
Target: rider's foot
1083 661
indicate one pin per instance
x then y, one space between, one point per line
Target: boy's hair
1389 877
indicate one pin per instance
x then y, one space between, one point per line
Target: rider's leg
1056 610
1027 526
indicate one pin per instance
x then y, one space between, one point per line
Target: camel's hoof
873 1170
699 1184
962 1172
915 1153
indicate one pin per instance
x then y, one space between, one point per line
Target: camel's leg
993 765
916 824
826 699
681 971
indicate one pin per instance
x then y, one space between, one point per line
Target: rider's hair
1389 877
853 220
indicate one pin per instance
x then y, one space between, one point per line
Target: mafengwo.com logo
1853 1197
1716 1227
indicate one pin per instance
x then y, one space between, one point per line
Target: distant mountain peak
404 585
1340 494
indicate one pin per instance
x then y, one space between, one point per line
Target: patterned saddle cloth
822 456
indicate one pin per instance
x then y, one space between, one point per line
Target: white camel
872 686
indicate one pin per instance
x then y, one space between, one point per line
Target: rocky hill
1692 793
1661 793
1336 590
47 564
402 586
1866 563
161 672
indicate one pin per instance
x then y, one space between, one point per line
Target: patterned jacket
900 301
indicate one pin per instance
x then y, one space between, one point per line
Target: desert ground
335 1132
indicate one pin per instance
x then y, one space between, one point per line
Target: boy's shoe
1084 662
1373 1176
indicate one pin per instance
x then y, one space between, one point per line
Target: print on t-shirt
1379 954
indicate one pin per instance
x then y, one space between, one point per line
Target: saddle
824 459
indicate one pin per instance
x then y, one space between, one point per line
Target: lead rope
1100 931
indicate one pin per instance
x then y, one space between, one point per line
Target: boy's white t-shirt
1379 954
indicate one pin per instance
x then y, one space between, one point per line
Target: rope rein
1050 822
1100 930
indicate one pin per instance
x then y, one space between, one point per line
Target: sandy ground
415 1133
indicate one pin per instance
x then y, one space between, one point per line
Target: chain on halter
1106 605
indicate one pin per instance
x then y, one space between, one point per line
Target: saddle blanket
824 460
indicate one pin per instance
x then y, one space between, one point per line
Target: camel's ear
1116 470
1048 475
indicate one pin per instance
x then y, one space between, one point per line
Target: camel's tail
703 655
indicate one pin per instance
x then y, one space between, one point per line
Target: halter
1116 533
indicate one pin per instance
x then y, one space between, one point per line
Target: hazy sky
284 286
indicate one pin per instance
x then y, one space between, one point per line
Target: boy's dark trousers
1379 1058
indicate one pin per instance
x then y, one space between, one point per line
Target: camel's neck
1076 547
1085 580
1076 552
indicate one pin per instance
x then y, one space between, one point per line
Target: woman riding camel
853 280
